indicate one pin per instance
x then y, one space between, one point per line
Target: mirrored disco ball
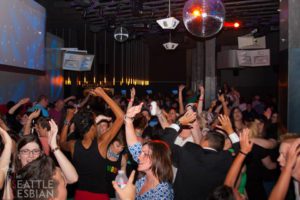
121 34
203 18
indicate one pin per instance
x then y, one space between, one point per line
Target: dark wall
167 69
252 81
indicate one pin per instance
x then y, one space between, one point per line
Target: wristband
55 149
245 154
67 123
234 137
128 118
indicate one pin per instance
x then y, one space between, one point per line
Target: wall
167 68
251 81
255 80
16 84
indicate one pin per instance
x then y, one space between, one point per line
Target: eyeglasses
27 152
144 154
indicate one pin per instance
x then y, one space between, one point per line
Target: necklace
112 154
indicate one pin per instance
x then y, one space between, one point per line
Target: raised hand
24 101
102 117
72 97
246 144
132 93
5 137
213 103
3 125
201 89
293 154
131 112
221 98
188 117
97 92
52 134
35 114
181 88
128 192
225 124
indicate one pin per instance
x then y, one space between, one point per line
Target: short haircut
140 121
215 140
289 137
83 121
44 123
41 97
120 137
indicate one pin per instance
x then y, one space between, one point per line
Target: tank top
111 173
91 168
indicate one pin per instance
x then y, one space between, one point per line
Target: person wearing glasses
29 148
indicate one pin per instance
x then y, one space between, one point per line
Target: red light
236 25
196 13
232 24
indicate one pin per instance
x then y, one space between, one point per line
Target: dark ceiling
141 15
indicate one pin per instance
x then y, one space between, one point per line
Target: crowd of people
170 146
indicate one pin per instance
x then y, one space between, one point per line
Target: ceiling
141 15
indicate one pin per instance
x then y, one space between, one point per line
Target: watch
178 123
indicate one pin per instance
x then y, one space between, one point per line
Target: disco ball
203 18
121 34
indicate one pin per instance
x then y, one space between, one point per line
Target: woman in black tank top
89 154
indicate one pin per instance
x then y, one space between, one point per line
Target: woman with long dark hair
89 153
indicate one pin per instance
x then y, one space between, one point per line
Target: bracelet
128 118
55 149
200 99
67 123
245 154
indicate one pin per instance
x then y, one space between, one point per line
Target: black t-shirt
254 186
272 175
254 164
111 173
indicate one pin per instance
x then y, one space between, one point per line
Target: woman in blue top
154 160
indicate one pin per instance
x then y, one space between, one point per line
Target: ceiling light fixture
169 22
170 45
